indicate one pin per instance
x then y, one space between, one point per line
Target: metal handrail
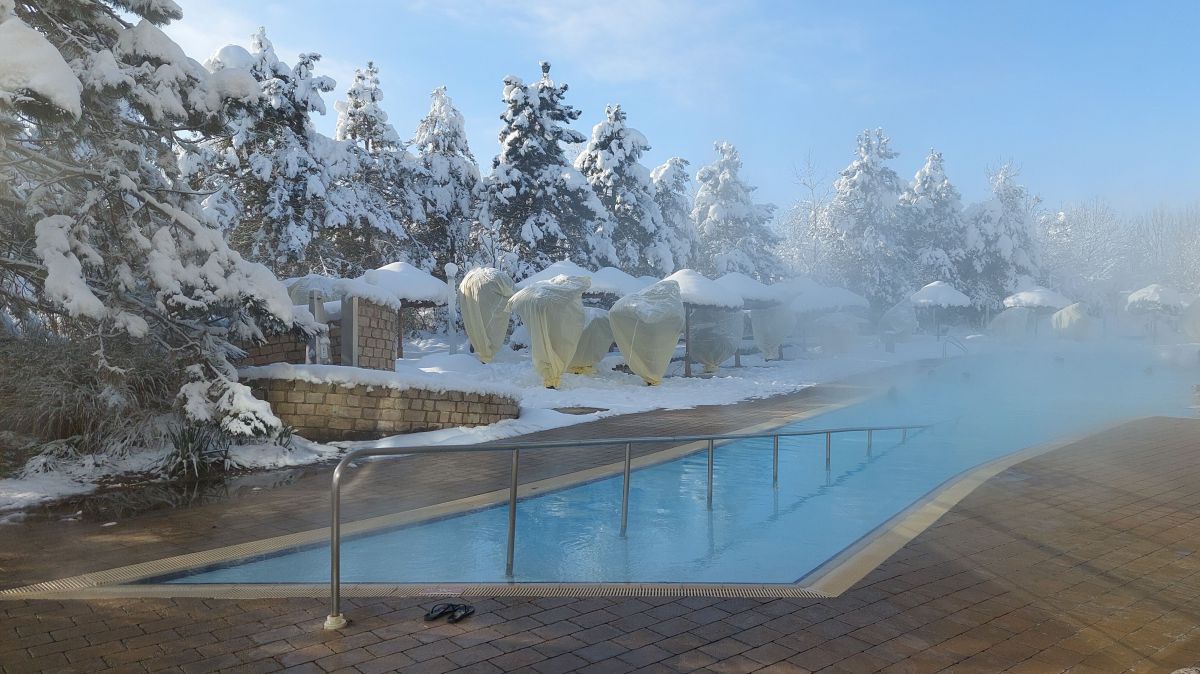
336 620
952 341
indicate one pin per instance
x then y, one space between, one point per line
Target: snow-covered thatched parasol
700 292
412 287
937 296
560 268
610 284
1039 301
1156 301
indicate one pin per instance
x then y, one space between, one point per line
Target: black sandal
460 612
440 610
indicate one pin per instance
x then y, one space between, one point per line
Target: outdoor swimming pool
984 407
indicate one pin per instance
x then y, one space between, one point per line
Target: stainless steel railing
948 342
335 620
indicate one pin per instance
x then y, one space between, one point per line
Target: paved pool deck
1082 559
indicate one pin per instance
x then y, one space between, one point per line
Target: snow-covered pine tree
542 208
1000 251
289 194
610 162
378 191
932 231
117 291
675 201
858 229
450 187
734 231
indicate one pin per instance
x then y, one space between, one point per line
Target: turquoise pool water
985 407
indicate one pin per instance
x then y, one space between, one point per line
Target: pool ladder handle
336 620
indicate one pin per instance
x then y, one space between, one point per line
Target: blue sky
1090 99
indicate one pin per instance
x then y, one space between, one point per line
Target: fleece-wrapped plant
103 246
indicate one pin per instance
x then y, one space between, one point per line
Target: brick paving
1083 560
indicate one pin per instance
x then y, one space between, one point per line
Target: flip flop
440 610
460 612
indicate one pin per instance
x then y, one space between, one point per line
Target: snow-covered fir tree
449 186
379 192
932 233
858 229
734 230
542 208
674 199
1000 251
291 196
1086 254
610 162
115 284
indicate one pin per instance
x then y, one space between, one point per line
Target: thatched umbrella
939 295
700 292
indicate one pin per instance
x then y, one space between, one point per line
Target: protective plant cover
771 326
1012 323
1189 322
594 344
1072 323
715 335
646 327
835 333
483 303
552 310
900 320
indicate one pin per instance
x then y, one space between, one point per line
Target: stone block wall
376 330
331 412
282 348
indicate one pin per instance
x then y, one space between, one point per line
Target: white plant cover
715 335
1156 298
483 302
560 268
594 344
1012 323
1189 322
552 310
646 327
771 326
939 294
900 320
836 332
1036 298
1072 323
409 283
700 291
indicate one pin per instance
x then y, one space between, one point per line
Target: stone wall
330 412
282 348
376 330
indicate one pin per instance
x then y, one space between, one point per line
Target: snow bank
357 376
409 283
939 294
1037 298
31 66
700 291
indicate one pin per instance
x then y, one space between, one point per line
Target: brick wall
377 329
329 412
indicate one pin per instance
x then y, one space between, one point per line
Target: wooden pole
687 341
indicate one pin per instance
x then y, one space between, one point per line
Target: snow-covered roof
299 287
560 268
409 283
613 281
698 290
1037 298
940 294
1156 297
811 297
749 289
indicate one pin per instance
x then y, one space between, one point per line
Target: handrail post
512 515
775 462
904 435
625 489
828 443
710 473
870 440
335 620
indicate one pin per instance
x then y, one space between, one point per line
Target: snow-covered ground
612 392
